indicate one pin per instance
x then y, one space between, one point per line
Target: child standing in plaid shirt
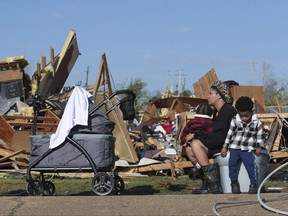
244 139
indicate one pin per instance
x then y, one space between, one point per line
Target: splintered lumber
11 68
13 62
123 145
274 144
166 166
55 74
17 157
7 164
15 130
11 155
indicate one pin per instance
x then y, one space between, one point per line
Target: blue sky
153 39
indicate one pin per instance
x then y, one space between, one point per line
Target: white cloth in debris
75 113
159 128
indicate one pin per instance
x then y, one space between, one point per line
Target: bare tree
275 90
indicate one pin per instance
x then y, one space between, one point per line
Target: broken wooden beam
166 166
11 155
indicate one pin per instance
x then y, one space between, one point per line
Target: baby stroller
85 149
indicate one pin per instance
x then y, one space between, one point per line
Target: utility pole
180 74
252 69
87 72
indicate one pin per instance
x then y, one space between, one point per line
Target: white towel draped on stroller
75 113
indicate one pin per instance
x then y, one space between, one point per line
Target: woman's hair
204 109
223 90
244 103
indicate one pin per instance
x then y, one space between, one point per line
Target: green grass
69 186
83 186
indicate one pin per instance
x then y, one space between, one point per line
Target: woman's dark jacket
215 140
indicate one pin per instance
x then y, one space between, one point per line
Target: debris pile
152 145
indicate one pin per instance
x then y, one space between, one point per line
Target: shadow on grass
178 188
140 190
19 192
144 190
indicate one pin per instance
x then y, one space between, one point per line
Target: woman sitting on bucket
200 149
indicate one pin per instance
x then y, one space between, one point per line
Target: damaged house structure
151 146
19 94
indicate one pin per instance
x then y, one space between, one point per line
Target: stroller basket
84 149
99 146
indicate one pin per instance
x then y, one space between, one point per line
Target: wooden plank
11 117
183 164
17 157
7 152
202 86
278 154
255 92
123 145
6 131
274 133
173 172
10 75
18 139
30 124
6 164
165 166
271 115
275 146
11 155
67 58
103 77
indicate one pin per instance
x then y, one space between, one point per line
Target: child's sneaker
235 188
252 189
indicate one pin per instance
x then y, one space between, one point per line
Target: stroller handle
130 97
126 91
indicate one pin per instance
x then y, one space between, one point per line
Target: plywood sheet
255 92
63 65
123 145
202 86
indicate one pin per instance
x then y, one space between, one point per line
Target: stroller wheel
48 188
102 184
118 185
34 188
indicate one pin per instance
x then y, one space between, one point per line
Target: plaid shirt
245 138
201 124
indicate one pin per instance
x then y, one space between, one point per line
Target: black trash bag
127 107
